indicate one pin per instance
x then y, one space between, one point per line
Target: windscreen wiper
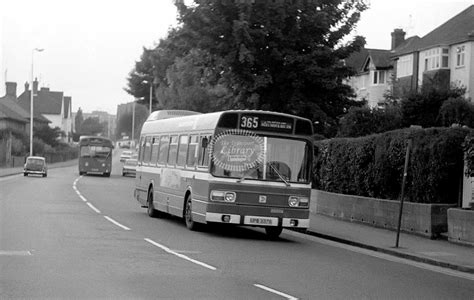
278 173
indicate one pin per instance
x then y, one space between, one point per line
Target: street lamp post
31 99
151 91
151 94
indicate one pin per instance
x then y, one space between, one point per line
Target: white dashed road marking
166 249
275 291
117 223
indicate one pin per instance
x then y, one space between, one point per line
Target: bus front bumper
257 220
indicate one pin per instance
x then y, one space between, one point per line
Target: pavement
438 252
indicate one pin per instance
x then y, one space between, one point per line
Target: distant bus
239 167
95 155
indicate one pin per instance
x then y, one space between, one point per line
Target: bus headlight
223 196
295 201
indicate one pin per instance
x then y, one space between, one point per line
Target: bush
457 111
360 121
468 147
372 166
422 108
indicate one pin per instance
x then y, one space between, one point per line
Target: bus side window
164 146
173 152
141 149
154 150
204 151
182 150
147 150
192 151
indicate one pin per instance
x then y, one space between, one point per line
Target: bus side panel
140 193
172 188
200 194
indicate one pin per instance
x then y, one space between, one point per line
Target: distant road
67 236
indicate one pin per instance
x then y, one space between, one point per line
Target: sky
90 46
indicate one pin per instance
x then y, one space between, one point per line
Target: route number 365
249 122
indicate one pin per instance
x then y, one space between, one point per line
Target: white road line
117 223
388 257
180 255
93 207
82 197
275 291
15 253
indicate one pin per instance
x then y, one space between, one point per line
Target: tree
124 123
361 121
91 126
273 55
47 134
78 120
456 111
422 108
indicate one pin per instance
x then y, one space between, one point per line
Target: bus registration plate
254 220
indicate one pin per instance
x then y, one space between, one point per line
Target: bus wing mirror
204 142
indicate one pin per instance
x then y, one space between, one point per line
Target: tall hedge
372 166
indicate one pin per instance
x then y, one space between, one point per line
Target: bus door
139 183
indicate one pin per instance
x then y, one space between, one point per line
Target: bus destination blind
266 123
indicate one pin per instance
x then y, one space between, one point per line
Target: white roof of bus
185 123
198 122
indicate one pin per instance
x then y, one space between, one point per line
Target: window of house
164 146
445 58
405 66
173 151
182 150
436 58
460 54
379 77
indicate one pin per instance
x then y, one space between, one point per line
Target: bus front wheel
151 211
188 214
273 232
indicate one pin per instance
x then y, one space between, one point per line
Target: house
53 105
443 58
13 116
372 80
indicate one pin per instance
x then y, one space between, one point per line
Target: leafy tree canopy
47 134
124 122
91 126
78 120
273 55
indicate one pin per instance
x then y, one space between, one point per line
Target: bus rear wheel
188 214
273 232
151 211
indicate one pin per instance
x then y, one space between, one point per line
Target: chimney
398 37
27 86
11 88
35 86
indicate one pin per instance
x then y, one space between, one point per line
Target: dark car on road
35 165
